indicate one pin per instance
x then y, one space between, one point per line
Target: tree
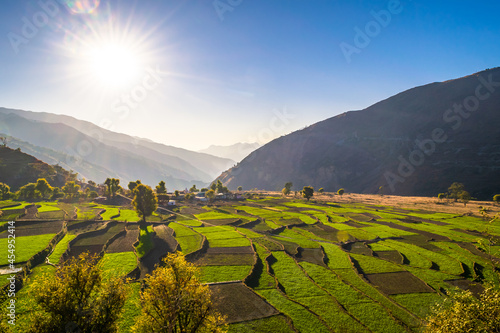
465 313
93 194
174 300
188 196
285 191
193 189
210 195
145 201
308 192
5 191
161 189
71 189
321 190
465 197
220 188
496 198
76 298
341 192
441 196
133 185
43 187
113 185
28 192
240 188
455 190
176 193
107 182
203 190
56 193
163 198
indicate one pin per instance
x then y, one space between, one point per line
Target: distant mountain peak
235 152
110 154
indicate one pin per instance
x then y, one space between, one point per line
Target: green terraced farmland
60 248
323 266
25 247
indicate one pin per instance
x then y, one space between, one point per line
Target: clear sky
191 73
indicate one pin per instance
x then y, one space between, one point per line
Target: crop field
26 247
285 265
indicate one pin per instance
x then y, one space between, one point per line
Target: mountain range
417 142
96 153
235 152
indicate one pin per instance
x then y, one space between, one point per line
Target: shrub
496 198
455 190
307 192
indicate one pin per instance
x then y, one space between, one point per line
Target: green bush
496 198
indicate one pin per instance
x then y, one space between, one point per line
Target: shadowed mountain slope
18 169
415 143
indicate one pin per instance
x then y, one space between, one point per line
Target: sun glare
113 65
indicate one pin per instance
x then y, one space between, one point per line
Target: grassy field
223 273
145 241
339 264
118 264
110 212
188 239
25 247
60 248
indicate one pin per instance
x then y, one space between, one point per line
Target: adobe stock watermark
11 279
277 124
453 116
129 101
122 106
223 6
49 9
373 28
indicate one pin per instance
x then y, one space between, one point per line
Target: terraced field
281 265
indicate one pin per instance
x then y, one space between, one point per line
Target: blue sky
194 73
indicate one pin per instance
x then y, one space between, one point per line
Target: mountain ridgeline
96 153
417 142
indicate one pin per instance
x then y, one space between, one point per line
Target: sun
109 53
112 65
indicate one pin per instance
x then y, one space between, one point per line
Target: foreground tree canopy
145 201
465 313
175 301
76 299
